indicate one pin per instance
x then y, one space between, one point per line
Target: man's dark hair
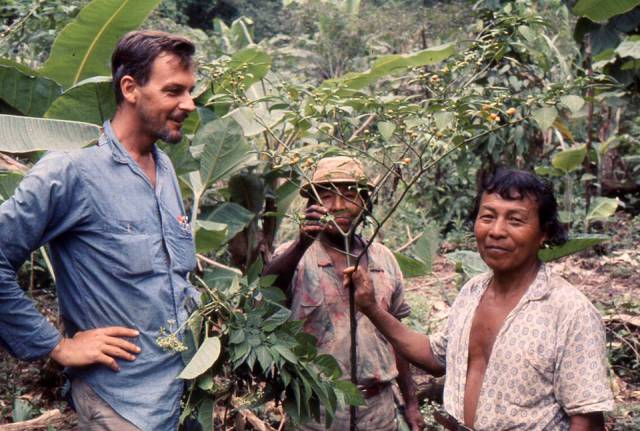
136 51
512 184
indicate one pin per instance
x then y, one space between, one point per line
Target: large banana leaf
602 10
90 101
84 46
389 64
24 90
26 134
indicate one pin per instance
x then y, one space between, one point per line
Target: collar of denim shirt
120 154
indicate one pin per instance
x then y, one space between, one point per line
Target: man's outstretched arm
412 345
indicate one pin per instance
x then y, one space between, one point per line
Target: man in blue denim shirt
120 244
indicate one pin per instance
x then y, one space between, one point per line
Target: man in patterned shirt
310 270
522 348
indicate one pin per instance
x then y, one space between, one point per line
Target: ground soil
608 279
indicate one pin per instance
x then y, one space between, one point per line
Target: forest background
429 94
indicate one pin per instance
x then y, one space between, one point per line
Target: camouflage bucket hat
338 170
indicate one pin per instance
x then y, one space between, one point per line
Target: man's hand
365 294
96 346
313 224
414 418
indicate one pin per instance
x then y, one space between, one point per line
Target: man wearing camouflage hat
310 271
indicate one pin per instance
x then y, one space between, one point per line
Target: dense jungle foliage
430 94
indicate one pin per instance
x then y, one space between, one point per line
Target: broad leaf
573 102
411 267
225 150
210 236
89 101
8 183
386 129
276 319
234 216
602 10
570 159
204 358
426 247
630 47
470 262
602 209
389 64
181 157
545 116
24 90
83 48
205 413
572 246
247 190
26 134
351 393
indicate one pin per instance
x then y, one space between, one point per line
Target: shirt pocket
315 315
129 247
181 245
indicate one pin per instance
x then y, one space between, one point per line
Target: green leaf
234 216
471 262
351 393
601 11
602 209
572 246
8 183
225 150
204 359
545 116
386 129
84 47
247 189
426 247
328 365
570 159
256 64
276 319
26 134
180 155
205 413
210 236
286 353
264 358
574 103
24 90
410 267
443 119
630 47
394 63
89 101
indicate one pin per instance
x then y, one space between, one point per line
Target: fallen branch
218 265
51 418
255 421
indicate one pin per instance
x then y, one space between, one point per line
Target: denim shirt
121 258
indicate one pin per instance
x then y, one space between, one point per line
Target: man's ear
129 88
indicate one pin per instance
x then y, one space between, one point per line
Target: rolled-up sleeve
47 203
580 381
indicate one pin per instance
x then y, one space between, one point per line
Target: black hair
136 51
512 184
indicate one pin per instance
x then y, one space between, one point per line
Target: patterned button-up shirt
121 258
318 298
548 361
